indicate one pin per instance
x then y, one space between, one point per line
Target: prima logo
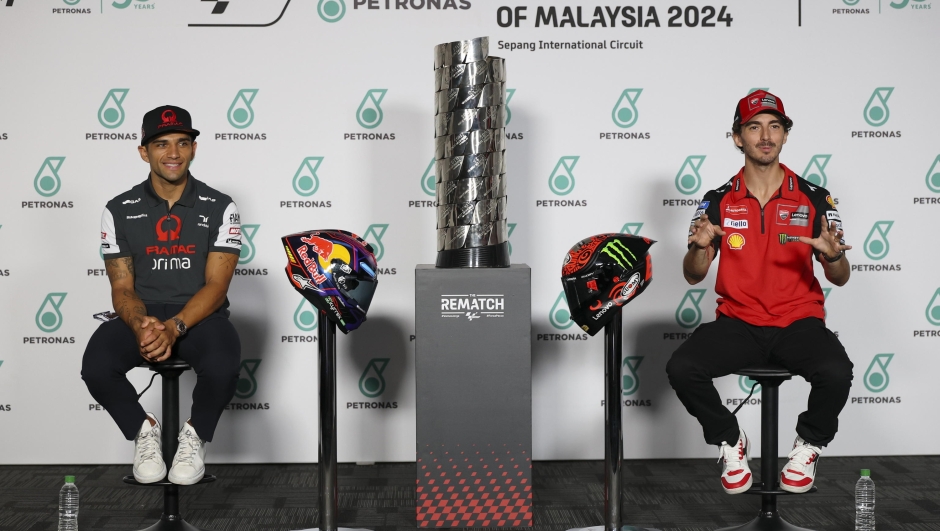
509 94
688 180
372 383
876 244
815 171
633 229
47 182
745 382
331 10
240 113
559 315
688 314
248 245
305 316
374 235
111 114
369 114
429 180
625 113
631 382
561 181
512 227
933 309
49 318
876 377
306 182
933 176
247 386
876 111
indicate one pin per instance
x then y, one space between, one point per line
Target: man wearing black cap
170 246
768 224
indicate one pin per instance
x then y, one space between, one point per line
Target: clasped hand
156 338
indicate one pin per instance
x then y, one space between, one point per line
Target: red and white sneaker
799 473
735 474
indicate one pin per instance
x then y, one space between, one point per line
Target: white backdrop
634 129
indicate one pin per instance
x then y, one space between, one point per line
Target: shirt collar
789 189
188 199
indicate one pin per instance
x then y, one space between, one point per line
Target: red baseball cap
757 102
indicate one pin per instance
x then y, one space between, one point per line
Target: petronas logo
248 244
625 113
815 171
850 2
429 180
306 182
631 381
933 176
688 314
247 386
876 111
373 236
876 377
331 10
755 89
509 93
826 292
745 382
49 318
615 249
369 114
561 182
47 182
876 245
371 383
633 229
305 316
240 113
688 180
111 114
933 309
559 316
512 227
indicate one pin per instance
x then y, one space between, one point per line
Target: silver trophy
470 148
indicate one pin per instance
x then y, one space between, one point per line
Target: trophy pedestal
474 396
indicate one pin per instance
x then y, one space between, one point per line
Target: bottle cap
866 472
70 479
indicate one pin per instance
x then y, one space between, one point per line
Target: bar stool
170 371
768 519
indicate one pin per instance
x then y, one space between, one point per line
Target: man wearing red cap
768 224
170 246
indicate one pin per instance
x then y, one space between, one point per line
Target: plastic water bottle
68 505
865 502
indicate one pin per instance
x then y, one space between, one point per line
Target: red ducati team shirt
765 275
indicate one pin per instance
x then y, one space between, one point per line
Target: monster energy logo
631 382
372 383
784 238
876 377
615 249
240 113
247 386
111 114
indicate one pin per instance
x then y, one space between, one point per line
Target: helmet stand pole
613 429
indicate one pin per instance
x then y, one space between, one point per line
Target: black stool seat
170 364
208 478
765 372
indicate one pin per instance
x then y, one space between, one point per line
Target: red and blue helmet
602 273
335 270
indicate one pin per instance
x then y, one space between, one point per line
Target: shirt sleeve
709 206
826 206
113 242
227 231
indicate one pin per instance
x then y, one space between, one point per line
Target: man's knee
682 369
834 373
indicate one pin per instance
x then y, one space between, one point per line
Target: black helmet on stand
602 273
335 271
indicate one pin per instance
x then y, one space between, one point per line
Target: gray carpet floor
665 494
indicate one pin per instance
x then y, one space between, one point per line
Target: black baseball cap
166 119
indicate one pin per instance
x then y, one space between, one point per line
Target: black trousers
805 347
211 348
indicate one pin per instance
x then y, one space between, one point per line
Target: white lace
732 454
189 445
802 456
148 445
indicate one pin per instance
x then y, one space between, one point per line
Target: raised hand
702 232
829 243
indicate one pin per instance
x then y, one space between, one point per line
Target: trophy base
489 256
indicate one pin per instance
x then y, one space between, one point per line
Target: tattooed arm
128 305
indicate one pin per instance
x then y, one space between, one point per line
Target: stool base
604 528
769 522
171 524
338 529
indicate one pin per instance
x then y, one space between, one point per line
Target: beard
758 157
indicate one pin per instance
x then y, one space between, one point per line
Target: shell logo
736 241
830 201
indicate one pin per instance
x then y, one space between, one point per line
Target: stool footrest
208 478
760 490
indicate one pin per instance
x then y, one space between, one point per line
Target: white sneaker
799 473
148 454
735 474
189 462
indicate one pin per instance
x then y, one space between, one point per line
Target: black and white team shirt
170 246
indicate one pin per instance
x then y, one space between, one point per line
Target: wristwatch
180 326
836 259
